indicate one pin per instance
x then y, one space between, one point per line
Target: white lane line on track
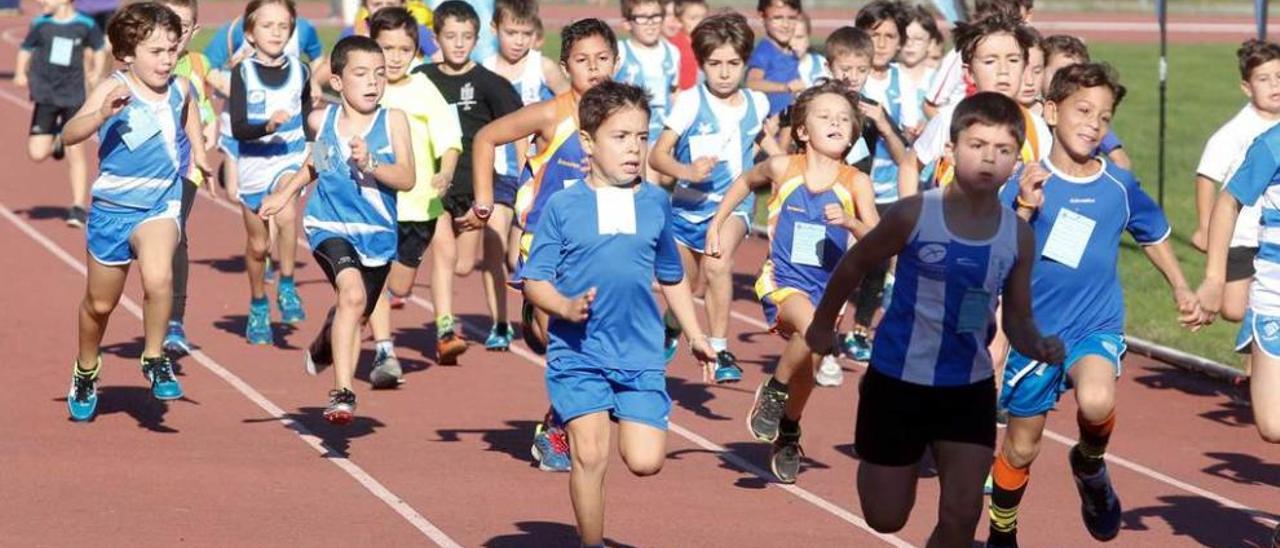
422 524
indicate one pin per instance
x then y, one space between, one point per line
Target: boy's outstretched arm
1206 195
544 295
884 241
1161 255
1019 324
761 174
521 124
1222 222
282 195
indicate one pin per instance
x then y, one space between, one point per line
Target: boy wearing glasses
648 60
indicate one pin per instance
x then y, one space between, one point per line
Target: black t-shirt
479 96
57 58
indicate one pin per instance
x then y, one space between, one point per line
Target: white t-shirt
933 141
654 79
947 87
913 96
1222 156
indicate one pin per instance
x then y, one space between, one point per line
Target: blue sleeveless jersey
658 81
262 160
143 150
532 88
731 141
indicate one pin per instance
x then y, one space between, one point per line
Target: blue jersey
941 315
780 66
262 160
347 202
706 127
1075 285
532 87
657 75
1257 182
884 171
812 67
579 246
143 150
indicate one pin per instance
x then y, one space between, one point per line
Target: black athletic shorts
48 119
458 204
898 419
336 254
413 237
1240 263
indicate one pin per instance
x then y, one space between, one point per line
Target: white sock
385 348
719 344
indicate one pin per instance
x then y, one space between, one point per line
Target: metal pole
1162 17
1260 17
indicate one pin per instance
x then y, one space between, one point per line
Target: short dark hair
762 5
847 40
387 19
346 46
800 109
924 17
515 11
192 4
1064 44
726 28
629 6
251 12
681 4
456 9
969 35
135 22
1085 75
583 29
989 109
606 98
879 11
983 8
1255 53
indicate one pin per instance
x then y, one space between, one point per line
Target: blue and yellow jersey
561 164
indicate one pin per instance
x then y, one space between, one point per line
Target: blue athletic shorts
578 389
253 200
1261 329
1032 388
504 189
694 235
110 228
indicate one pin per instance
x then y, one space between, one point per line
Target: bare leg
643 447
887 494
78 172
104 285
255 253
1264 388
495 267
719 272
444 255
589 447
154 242
286 239
961 470
346 326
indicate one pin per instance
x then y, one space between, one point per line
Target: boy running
600 246
362 155
647 60
773 68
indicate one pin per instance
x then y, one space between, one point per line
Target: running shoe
290 304
396 302
829 372
59 148
1002 540
386 371
342 407
1099 505
856 347
449 346
77 217
82 398
727 370
320 353
766 413
671 343
784 458
258 330
175 340
269 272
499 339
164 385
551 449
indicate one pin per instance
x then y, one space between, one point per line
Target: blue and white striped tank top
348 203
532 87
262 160
941 315
657 80
731 141
141 150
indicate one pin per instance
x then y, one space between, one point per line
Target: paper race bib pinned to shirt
975 311
808 242
141 124
615 211
714 145
60 51
1069 237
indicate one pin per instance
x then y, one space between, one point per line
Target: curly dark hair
604 99
583 29
800 109
135 22
723 28
1073 78
1255 53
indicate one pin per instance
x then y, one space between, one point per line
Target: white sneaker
829 372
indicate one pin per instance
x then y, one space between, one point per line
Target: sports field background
1204 92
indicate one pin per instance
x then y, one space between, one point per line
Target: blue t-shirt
624 329
1257 182
781 66
1075 302
304 44
1109 143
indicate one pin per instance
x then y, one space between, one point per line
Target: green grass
1203 94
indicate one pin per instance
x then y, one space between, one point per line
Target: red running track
247 460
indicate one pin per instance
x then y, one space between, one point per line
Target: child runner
647 60
361 157
600 246
811 64
1078 206
138 116
1259 73
270 103
479 97
423 16
535 78
914 71
773 68
194 67
1062 50
61 56
950 84
929 382
434 132
689 13
818 205
1034 85
587 55
710 138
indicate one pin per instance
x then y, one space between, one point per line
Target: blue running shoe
290 304
258 331
551 449
175 340
499 339
82 399
269 272
727 370
856 347
671 343
1099 505
164 385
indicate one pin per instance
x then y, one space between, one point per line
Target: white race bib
807 243
1069 237
615 211
142 125
60 51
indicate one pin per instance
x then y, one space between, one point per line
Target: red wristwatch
482 211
